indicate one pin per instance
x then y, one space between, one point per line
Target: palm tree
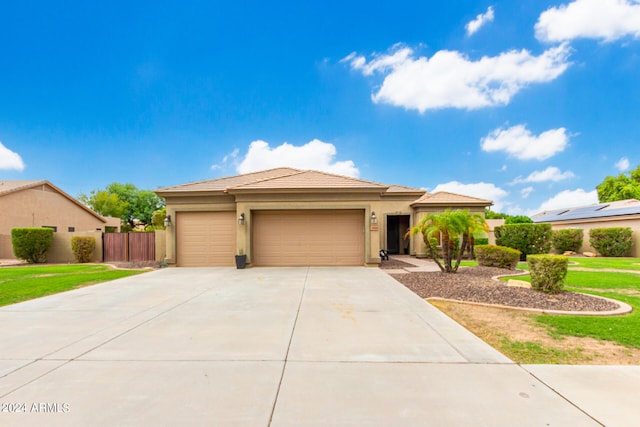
448 224
470 224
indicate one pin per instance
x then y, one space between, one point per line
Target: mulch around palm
474 284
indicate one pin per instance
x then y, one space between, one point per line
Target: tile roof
601 210
397 189
446 198
280 179
17 185
222 184
309 179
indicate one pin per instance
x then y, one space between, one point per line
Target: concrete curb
623 308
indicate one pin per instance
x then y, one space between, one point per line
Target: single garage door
205 239
308 237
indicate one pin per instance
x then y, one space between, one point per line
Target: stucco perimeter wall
60 251
587 225
42 206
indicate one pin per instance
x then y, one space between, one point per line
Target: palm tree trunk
433 254
463 247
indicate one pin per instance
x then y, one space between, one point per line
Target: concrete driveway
273 347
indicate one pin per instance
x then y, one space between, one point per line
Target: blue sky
530 104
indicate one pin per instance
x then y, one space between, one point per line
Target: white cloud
622 164
568 199
10 160
482 190
525 192
473 26
551 173
316 155
518 142
229 158
449 79
607 20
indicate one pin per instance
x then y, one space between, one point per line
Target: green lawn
28 282
625 287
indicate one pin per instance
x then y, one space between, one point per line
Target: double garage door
301 238
278 238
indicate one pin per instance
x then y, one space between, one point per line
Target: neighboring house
291 217
42 204
623 213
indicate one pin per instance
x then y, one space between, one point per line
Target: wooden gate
129 246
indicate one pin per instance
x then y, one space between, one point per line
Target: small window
54 228
72 229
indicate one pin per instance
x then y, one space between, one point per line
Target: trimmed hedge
527 238
497 256
548 272
83 247
479 241
31 244
613 241
568 239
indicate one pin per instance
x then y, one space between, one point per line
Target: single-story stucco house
30 203
622 213
291 217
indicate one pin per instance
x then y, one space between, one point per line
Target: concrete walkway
277 347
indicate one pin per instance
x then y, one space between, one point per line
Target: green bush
527 238
497 256
31 244
568 239
83 247
548 272
478 241
613 241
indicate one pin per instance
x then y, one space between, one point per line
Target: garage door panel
205 239
301 238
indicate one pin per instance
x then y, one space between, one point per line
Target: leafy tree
621 187
489 214
124 201
105 203
449 225
518 219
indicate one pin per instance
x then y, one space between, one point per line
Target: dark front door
397 226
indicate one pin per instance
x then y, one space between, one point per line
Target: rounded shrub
497 256
548 272
83 247
31 244
527 238
568 239
612 241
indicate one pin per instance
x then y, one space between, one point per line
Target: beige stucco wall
247 204
631 221
60 250
43 206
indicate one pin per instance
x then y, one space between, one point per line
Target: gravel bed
474 284
394 264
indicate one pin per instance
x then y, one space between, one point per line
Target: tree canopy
449 225
621 187
124 201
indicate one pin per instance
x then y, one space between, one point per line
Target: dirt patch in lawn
519 337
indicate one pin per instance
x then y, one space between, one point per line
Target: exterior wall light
241 219
167 221
374 218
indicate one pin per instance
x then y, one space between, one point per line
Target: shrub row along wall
60 250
